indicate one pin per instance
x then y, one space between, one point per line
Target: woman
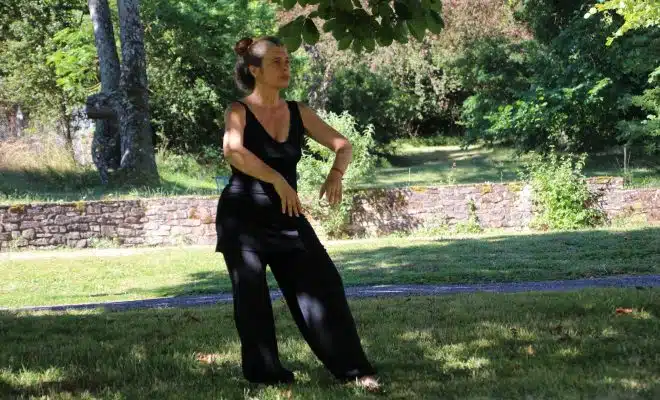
260 222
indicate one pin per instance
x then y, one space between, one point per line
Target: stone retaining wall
191 220
506 205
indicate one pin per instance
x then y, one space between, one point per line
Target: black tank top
249 214
283 157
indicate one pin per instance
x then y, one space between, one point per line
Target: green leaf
310 33
330 25
434 22
401 32
385 11
288 4
369 44
435 5
292 43
385 35
293 28
357 47
313 14
344 5
340 33
417 29
325 11
345 43
402 10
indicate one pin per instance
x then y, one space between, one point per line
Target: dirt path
641 282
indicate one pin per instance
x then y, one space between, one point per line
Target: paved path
640 282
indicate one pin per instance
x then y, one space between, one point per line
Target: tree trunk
65 122
105 145
124 97
137 149
318 91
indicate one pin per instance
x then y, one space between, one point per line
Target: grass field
29 177
483 346
495 257
428 165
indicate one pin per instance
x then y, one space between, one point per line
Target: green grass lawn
412 164
481 346
22 187
430 165
493 257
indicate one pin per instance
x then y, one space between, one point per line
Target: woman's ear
253 70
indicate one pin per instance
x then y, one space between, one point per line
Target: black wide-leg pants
314 293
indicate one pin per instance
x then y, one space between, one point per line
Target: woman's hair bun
242 46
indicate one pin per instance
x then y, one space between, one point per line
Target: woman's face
275 69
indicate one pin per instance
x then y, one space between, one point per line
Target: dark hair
245 49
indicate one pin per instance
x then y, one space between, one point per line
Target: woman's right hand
290 201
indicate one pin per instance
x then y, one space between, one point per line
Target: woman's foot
369 383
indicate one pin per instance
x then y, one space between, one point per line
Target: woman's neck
265 97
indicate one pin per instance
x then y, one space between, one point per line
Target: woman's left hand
332 188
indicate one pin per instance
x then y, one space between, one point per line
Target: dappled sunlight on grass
631 384
467 346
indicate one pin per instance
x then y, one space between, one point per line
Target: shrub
316 163
560 192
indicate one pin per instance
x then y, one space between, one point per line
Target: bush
560 193
208 165
316 163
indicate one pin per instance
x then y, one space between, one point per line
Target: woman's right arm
245 161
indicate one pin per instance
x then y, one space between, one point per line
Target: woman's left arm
327 136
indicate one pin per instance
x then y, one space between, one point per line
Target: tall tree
106 143
129 102
354 24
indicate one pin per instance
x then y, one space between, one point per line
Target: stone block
78 227
11 227
125 232
181 230
73 235
40 242
108 230
134 240
30 224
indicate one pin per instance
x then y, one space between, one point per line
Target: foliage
316 163
362 28
74 61
190 89
472 225
368 96
564 89
411 89
637 14
31 34
560 192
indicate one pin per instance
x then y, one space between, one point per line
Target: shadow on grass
569 345
505 258
82 185
432 167
477 165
